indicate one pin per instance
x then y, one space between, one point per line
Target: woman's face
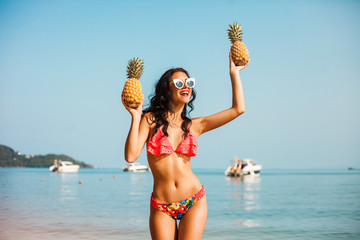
180 96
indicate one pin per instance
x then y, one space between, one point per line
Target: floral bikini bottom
178 209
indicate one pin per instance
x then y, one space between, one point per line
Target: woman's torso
173 178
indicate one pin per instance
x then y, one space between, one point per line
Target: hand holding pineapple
239 51
233 68
135 112
132 95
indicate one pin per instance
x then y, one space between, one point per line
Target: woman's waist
175 190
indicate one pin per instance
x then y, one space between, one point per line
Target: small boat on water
243 167
135 167
64 166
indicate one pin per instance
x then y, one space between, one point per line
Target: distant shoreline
11 158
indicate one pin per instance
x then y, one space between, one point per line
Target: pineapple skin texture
240 53
132 93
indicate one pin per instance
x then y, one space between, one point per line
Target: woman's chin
181 101
185 100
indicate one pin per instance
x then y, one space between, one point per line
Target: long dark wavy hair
160 105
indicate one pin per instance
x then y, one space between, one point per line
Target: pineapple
239 52
132 94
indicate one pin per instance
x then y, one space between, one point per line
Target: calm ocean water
293 204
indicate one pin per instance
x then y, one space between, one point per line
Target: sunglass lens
179 84
190 83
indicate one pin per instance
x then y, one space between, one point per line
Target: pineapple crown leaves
235 32
135 68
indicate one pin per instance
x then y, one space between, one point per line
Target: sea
111 204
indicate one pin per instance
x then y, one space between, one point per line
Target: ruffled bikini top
160 144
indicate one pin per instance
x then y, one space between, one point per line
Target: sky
63 67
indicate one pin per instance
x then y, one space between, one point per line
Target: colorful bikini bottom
178 209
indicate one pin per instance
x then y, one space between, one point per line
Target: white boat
135 167
64 166
243 167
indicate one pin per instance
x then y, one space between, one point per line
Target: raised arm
238 104
138 134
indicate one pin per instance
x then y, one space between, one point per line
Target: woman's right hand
138 133
135 112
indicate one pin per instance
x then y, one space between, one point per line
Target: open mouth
184 93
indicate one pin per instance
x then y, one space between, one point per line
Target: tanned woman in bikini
171 136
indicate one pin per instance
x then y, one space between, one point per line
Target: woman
171 142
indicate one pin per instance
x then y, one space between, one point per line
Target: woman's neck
175 117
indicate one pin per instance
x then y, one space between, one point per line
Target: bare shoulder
196 126
148 120
147 115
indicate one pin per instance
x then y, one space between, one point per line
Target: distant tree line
10 158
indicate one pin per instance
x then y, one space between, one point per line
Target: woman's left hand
233 67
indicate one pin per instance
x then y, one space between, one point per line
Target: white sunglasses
190 83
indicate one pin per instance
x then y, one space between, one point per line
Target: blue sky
63 66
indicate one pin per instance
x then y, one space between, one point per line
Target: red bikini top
159 144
